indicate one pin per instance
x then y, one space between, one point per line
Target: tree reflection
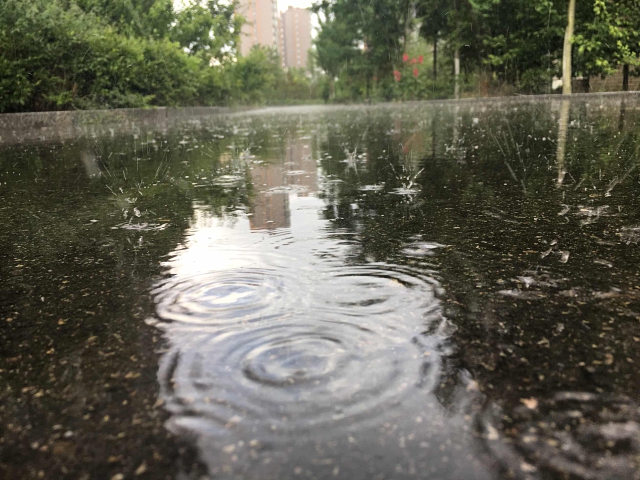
563 126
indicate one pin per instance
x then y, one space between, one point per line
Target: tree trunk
561 145
407 24
566 53
623 112
625 77
456 59
368 88
456 72
435 57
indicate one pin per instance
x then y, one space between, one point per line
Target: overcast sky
284 4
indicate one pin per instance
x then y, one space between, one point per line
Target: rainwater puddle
290 357
395 292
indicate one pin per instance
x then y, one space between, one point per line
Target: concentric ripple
219 298
356 355
390 294
301 376
293 361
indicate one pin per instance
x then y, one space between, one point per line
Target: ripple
293 173
144 227
577 435
421 249
371 188
293 360
228 181
378 290
405 191
299 376
217 298
355 355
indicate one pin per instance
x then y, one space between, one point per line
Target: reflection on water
563 125
575 434
232 296
406 291
307 329
288 356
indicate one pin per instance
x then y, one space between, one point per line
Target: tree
366 38
336 44
146 18
610 38
63 54
434 24
566 49
523 40
208 30
257 75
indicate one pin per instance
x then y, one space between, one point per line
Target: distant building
296 37
261 27
281 40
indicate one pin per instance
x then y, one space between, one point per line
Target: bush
55 58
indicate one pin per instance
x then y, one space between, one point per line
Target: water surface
411 291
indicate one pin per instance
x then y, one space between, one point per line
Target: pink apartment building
289 32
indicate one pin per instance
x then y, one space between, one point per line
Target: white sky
284 4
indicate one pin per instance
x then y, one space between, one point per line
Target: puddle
401 291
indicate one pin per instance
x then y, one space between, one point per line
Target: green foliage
612 38
361 41
257 75
522 40
69 54
297 87
147 18
511 45
414 78
208 30
58 57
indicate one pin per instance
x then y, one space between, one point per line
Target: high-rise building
281 41
261 26
296 37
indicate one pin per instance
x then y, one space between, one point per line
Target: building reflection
274 182
270 209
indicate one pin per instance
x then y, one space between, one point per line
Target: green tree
434 24
336 44
209 30
56 56
65 54
611 39
147 18
522 40
256 76
365 39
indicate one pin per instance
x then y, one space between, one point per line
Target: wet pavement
441 291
